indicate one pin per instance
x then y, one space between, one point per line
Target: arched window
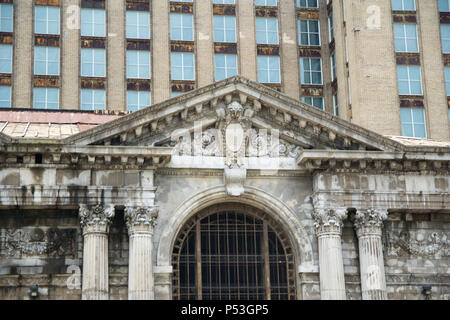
233 252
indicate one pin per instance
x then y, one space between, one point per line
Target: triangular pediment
298 124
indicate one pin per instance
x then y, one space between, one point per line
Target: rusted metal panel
139 84
181 7
138 44
182 46
93 83
444 17
138 5
268 49
412 101
446 58
309 52
93 43
93 4
182 86
404 17
224 9
6 38
6 1
266 12
310 13
314 91
225 48
46 40
46 81
448 101
46 2
5 79
406 58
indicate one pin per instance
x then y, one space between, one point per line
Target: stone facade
99 214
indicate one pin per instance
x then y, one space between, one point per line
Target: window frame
137 24
313 98
182 27
9 88
47 19
265 3
7 59
92 102
302 71
227 70
139 93
266 30
308 32
408 69
404 38
47 61
224 30
46 97
138 64
299 2
11 19
268 69
182 54
403 6
414 123
93 22
92 63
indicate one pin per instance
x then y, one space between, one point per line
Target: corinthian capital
96 219
369 221
140 218
329 220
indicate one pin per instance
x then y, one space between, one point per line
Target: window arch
234 252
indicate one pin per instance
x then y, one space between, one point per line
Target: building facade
381 64
231 191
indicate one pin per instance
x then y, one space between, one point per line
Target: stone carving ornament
144 216
96 219
420 243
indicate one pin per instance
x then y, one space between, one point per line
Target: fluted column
329 229
95 222
368 225
140 222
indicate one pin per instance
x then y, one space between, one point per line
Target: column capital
97 218
329 220
140 218
369 221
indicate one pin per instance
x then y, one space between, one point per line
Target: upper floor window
413 122
311 70
46 98
137 100
444 5
138 64
314 101
331 27
307 3
93 62
445 38
405 36
93 22
409 80
336 104
447 80
224 29
6 58
138 25
46 60
223 1
46 19
225 66
181 27
269 69
403 5
270 3
333 66
308 32
182 66
267 30
6 17
93 99
5 97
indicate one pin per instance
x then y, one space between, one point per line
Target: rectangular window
311 70
447 80
267 30
138 64
314 101
6 58
6 17
333 66
225 66
409 80
93 23
413 122
46 98
223 1
176 94
93 99
403 5
46 19
93 62
307 3
336 104
138 25
137 100
444 5
445 38
182 66
331 27
308 32
269 69
181 27
405 36
5 97
46 61
224 29
270 3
